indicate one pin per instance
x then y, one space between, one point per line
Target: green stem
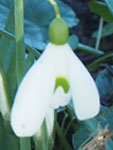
19 38
56 8
25 143
93 66
89 49
99 33
61 137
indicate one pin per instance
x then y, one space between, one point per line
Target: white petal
60 68
59 59
60 98
33 97
84 91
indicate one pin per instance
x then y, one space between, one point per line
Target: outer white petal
33 97
84 91
60 98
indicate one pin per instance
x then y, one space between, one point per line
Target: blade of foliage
77 139
110 5
65 144
19 38
101 9
106 30
8 141
10 36
7 45
7 50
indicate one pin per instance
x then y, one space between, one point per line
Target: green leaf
8 141
101 9
7 45
109 3
73 41
77 138
36 26
90 128
19 39
106 31
104 82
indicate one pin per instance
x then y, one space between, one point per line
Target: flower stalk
56 8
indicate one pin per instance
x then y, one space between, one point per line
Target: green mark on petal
62 81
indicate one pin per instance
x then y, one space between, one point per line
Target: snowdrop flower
56 77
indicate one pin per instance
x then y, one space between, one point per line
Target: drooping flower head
56 77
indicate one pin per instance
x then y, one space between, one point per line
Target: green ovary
58 31
63 82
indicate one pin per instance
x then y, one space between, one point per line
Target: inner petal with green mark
62 82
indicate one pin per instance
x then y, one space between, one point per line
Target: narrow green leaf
101 9
11 77
64 143
7 45
19 38
8 141
10 36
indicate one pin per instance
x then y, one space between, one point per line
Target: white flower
51 82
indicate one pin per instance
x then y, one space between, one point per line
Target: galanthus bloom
56 77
